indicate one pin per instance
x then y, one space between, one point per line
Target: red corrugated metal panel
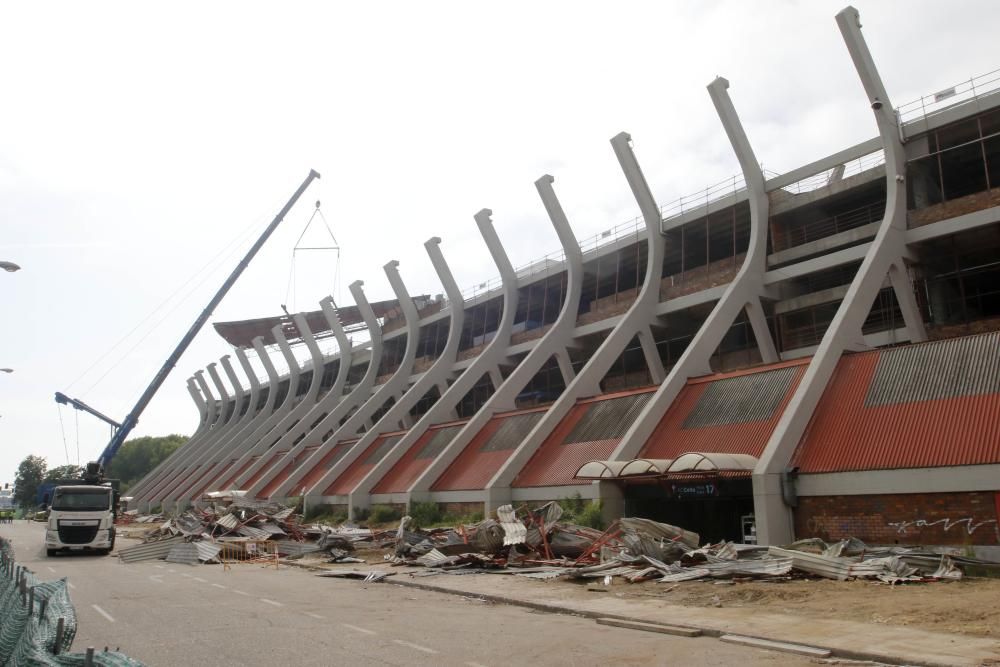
182 483
557 460
327 461
866 419
674 435
263 470
416 459
278 479
362 465
474 467
228 483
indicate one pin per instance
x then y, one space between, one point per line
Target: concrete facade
840 255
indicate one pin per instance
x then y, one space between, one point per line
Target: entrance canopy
690 462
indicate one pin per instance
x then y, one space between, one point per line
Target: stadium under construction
807 354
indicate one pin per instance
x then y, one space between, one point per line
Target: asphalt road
166 614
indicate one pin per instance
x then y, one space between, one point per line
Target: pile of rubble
233 522
534 543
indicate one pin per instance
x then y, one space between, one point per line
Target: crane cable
291 287
62 427
238 241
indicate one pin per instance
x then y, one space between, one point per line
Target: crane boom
132 418
80 405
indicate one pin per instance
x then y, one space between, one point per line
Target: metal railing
966 91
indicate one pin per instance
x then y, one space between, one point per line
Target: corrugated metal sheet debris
150 550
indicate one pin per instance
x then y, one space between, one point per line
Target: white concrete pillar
742 295
554 342
637 318
774 518
491 355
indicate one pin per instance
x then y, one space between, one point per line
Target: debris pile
232 522
536 544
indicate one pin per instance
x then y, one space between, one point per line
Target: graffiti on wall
970 524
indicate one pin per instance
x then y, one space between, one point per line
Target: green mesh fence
30 611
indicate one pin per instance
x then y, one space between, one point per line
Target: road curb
706 631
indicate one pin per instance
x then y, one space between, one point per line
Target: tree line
134 460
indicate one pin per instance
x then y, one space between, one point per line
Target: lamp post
9 267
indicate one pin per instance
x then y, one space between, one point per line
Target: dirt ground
970 606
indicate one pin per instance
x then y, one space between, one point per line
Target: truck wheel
50 553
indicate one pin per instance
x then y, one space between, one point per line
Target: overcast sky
139 146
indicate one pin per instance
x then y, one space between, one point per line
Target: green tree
30 474
63 472
140 455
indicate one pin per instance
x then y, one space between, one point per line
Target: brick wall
717 273
953 519
953 208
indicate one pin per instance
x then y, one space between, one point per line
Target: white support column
322 408
169 464
202 406
554 342
638 317
217 463
256 444
291 427
212 456
742 294
360 394
216 416
774 518
436 374
491 355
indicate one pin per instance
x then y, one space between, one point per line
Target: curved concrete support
178 475
635 320
211 454
396 385
555 342
487 361
202 406
291 427
219 461
437 373
248 398
168 465
319 409
774 518
254 444
743 293
357 396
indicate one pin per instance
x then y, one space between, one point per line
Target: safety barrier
264 552
38 622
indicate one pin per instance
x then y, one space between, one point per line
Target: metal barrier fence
262 552
38 622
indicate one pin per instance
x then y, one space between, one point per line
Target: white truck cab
81 518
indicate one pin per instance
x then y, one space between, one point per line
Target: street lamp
9 267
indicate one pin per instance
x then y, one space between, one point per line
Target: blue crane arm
132 418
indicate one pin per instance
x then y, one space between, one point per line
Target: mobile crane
83 511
